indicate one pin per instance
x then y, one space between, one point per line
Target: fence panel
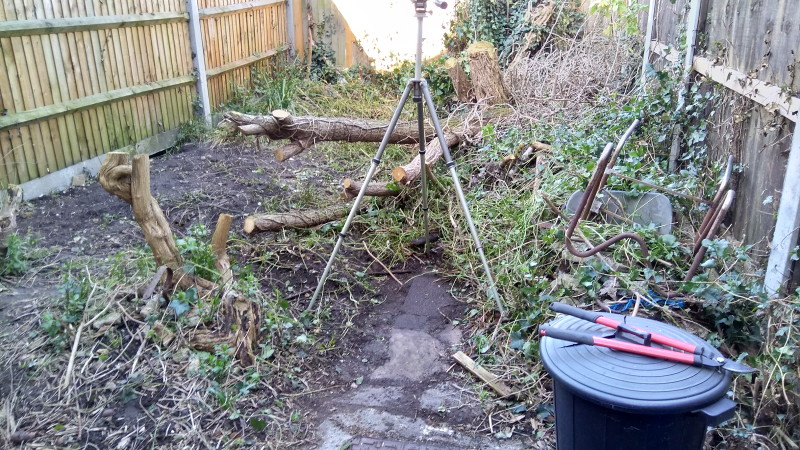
757 41
79 78
238 36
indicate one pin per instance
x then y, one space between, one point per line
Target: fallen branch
305 131
298 219
351 188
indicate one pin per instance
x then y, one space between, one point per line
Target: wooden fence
751 50
80 78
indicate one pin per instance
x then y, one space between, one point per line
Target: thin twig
68 374
382 265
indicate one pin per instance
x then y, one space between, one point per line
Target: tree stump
485 71
238 321
461 83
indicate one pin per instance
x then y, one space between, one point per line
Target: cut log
305 131
485 72
461 83
352 187
508 161
411 171
219 244
298 219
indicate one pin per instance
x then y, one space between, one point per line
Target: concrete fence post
787 226
198 59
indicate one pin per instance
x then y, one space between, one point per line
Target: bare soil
410 394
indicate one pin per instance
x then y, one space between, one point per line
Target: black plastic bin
611 400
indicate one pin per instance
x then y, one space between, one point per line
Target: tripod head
421 6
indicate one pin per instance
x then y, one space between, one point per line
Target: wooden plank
487 377
91 50
14 28
46 154
169 63
137 110
299 30
117 80
69 91
163 96
235 8
8 150
24 83
85 88
148 123
766 94
84 103
153 41
252 59
59 125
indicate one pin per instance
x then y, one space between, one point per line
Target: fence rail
81 78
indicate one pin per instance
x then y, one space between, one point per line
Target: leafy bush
15 261
197 254
506 25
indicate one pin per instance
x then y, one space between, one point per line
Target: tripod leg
451 165
423 170
370 173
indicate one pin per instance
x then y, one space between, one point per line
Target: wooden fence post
198 58
787 226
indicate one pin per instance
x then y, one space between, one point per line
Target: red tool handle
627 347
611 323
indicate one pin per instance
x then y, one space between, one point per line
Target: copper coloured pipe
712 230
585 206
703 231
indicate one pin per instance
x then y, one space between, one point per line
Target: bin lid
628 381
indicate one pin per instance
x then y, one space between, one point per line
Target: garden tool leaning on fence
680 352
718 207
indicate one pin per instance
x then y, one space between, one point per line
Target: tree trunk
461 83
298 219
410 172
485 71
131 183
352 187
305 131
239 320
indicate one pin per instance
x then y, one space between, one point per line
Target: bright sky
387 29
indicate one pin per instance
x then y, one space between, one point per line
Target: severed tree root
239 320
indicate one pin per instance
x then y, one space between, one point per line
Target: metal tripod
421 92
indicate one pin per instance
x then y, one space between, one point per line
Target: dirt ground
380 384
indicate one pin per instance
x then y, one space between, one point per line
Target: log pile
239 320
